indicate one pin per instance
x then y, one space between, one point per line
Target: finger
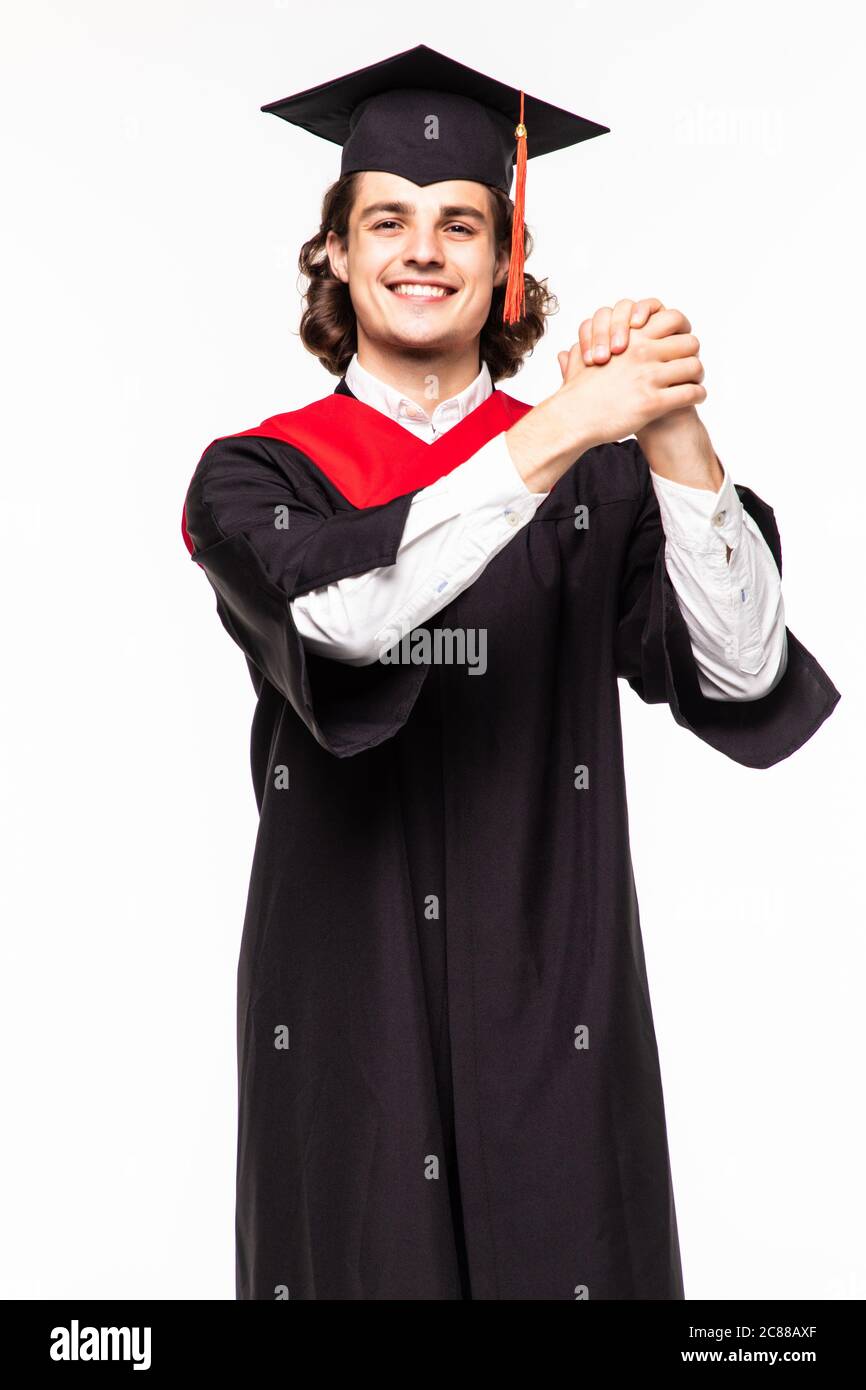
678 372
584 338
619 321
572 362
642 311
665 322
677 345
562 358
678 397
601 334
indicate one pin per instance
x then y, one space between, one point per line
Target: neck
425 376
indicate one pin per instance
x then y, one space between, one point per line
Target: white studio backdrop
152 222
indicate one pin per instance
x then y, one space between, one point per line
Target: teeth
421 291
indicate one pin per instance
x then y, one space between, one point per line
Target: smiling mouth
426 294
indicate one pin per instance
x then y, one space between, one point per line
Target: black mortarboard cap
427 118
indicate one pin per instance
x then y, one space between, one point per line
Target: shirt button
511 517
719 517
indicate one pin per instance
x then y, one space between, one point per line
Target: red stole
369 457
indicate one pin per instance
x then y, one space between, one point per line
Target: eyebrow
408 210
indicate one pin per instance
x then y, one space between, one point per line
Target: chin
423 340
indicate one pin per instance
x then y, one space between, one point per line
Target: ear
500 273
338 257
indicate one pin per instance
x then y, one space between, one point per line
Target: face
420 263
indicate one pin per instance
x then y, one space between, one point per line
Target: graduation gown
448 1079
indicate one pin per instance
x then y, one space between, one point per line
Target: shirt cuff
697 519
490 485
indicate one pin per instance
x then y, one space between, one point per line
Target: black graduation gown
448 1078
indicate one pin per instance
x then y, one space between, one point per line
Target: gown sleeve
265 531
653 651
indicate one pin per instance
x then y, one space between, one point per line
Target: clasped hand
651 369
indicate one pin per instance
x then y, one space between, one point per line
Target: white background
152 222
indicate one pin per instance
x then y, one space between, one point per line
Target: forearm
454 528
544 445
679 448
727 586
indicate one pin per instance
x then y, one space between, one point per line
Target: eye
389 222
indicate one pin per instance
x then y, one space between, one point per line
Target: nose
423 247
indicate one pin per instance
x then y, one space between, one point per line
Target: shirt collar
369 389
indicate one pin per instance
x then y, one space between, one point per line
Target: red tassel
515 288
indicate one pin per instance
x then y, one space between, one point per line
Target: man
448 1075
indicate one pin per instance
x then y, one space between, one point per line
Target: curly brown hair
328 326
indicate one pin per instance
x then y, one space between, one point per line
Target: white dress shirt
733 610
